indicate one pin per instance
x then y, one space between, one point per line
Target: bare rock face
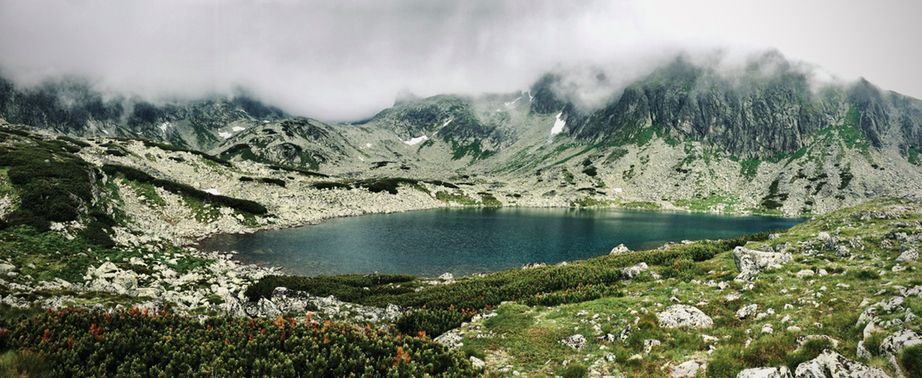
767 372
684 316
833 365
750 261
687 369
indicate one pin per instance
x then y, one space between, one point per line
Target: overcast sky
346 59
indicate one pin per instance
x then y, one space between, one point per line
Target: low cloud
347 59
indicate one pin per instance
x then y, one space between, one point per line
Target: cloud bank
347 59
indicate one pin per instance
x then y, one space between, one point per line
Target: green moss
643 205
146 191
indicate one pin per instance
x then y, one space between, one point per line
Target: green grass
913 155
459 198
146 191
642 205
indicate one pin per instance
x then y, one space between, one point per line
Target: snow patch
512 103
415 141
238 129
225 134
212 191
164 126
447 122
367 145
558 125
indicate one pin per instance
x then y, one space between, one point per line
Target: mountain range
764 138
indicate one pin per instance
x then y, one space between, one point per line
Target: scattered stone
684 316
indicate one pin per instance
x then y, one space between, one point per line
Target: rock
896 342
477 363
451 339
805 273
576 341
6 268
634 271
908 255
833 365
749 262
767 372
619 249
649 344
747 311
447 277
687 369
767 328
683 316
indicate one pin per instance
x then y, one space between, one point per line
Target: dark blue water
464 241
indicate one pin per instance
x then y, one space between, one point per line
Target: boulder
684 316
687 369
766 372
634 271
908 255
830 364
749 261
477 363
619 249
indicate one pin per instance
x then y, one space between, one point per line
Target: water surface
465 241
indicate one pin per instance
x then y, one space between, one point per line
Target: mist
348 59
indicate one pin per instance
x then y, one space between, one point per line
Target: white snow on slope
164 126
238 129
558 125
417 140
225 134
213 191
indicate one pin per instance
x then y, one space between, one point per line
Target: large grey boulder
749 261
830 364
766 372
684 316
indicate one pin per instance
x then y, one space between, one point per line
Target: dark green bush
388 184
330 185
272 181
350 287
432 322
167 147
183 189
911 359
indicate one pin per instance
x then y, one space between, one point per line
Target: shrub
330 185
273 181
81 343
130 173
911 359
432 322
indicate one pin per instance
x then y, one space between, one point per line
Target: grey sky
346 59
